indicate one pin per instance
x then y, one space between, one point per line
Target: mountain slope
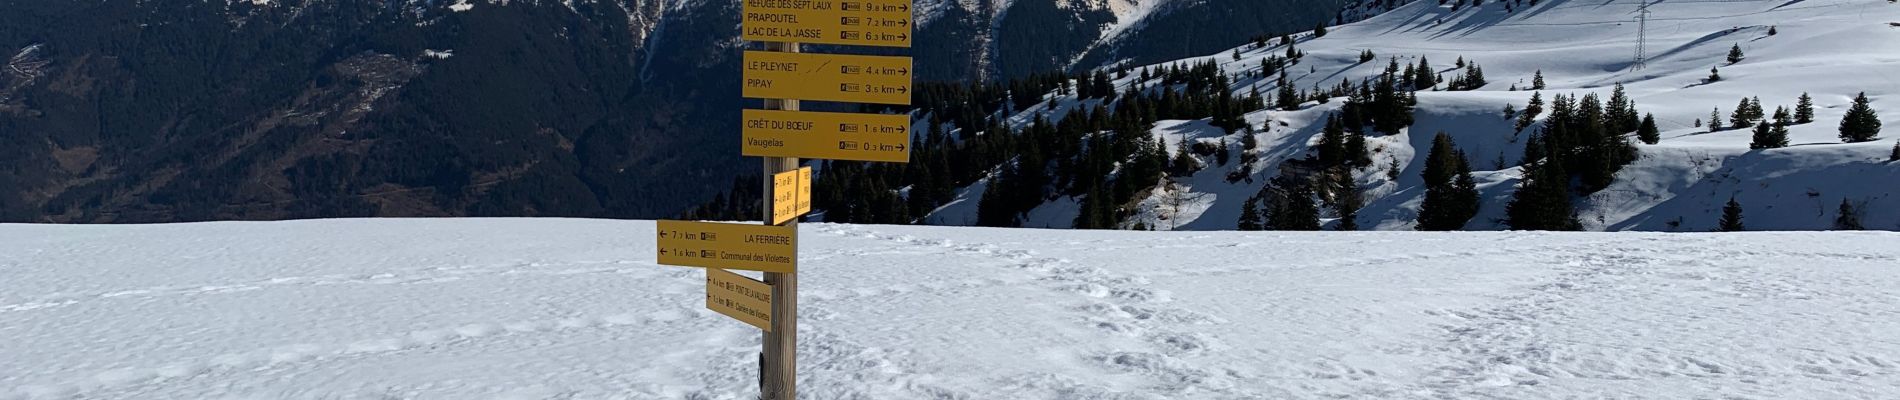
187 110
1003 39
1831 50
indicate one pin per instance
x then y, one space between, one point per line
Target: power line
1642 36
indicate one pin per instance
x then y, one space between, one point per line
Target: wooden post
778 359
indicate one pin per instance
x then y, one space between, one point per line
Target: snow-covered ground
1830 49
577 309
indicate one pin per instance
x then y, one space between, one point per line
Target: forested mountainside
145 111
185 110
1741 115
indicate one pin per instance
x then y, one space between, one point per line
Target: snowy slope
1123 16
577 309
1831 49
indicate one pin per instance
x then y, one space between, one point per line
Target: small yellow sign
768 248
822 135
739 297
849 22
791 194
827 77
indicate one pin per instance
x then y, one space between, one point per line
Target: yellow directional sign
827 77
768 248
830 136
791 194
849 22
739 297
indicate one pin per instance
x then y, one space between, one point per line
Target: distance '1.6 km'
824 135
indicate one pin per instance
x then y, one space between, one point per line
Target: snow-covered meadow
577 309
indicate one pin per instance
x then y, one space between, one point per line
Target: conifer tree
1184 163
992 210
1896 152
1542 200
1531 111
1715 121
1332 142
1355 149
1319 30
1534 150
1782 121
1249 216
1451 197
1849 218
1289 205
1510 111
1473 78
1735 54
1346 200
1537 80
1289 99
1095 213
1619 116
1861 123
1423 78
1299 213
1741 117
1439 162
1221 156
1405 78
1731 217
1464 188
1804 109
1765 137
1647 132
1715 75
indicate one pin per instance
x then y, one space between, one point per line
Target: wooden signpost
781 75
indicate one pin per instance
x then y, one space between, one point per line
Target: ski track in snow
1117 305
1499 346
